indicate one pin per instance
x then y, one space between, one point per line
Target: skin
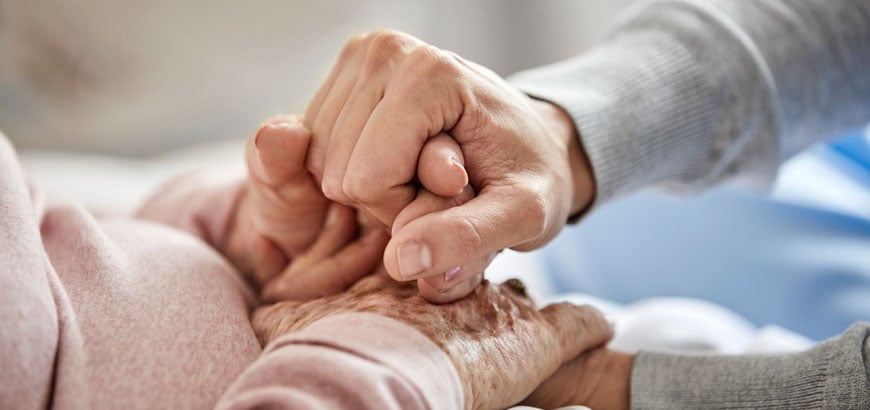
502 347
599 379
524 161
282 212
496 324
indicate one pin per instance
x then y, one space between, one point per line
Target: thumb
441 167
436 242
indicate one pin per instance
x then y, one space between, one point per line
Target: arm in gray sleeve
834 374
687 93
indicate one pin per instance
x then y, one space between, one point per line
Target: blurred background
138 78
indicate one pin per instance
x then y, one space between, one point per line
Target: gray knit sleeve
833 375
686 93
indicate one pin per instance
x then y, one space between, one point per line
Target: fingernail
259 133
460 168
414 258
452 273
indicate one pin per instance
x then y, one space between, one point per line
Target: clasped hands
376 171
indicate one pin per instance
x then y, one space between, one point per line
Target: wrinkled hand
501 345
387 95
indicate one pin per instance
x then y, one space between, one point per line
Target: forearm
833 374
687 93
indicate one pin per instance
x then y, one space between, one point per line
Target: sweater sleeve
349 361
201 203
684 94
834 374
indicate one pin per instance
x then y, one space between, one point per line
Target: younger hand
388 94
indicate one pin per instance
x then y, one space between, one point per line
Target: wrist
582 177
614 388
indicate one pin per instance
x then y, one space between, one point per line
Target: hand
501 345
282 215
386 96
599 378
283 209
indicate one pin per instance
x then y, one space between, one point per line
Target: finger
435 242
324 124
289 207
346 61
451 285
575 329
384 161
426 202
338 230
383 50
331 276
441 168
434 290
345 58
276 155
270 260
350 122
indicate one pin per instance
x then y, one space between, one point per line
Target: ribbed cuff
830 375
392 343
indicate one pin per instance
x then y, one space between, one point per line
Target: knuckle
358 188
535 215
432 61
384 49
333 188
353 44
562 319
468 234
387 43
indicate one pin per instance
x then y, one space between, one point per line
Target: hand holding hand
287 229
388 94
501 345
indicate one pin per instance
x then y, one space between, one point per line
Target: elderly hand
501 345
387 95
283 209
